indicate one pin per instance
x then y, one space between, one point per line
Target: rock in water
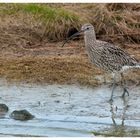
3 108
22 115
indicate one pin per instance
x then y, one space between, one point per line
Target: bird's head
85 28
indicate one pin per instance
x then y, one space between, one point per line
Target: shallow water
68 110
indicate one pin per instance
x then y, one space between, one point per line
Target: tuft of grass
55 21
119 131
48 13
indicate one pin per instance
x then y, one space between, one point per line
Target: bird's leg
113 88
112 110
124 86
125 106
104 78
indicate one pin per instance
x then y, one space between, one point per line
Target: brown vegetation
27 53
62 70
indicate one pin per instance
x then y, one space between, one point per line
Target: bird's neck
90 39
90 44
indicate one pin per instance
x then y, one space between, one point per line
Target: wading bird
106 56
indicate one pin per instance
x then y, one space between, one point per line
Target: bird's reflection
119 129
114 109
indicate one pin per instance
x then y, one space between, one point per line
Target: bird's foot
111 100
125 91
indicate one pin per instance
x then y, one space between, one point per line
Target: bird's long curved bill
72 37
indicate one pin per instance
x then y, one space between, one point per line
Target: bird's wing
114 54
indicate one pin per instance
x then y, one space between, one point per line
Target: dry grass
56 70
114 22
60 70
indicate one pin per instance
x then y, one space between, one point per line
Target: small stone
57 101
3 108
22 115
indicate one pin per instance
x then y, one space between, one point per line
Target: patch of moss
119 131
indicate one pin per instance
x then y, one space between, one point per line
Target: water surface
68 110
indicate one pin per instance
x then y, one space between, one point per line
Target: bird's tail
137 66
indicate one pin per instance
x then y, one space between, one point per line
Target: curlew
106 56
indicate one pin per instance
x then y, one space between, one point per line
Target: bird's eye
87 28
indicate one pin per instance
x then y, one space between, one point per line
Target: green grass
48 13
44 11
55 21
